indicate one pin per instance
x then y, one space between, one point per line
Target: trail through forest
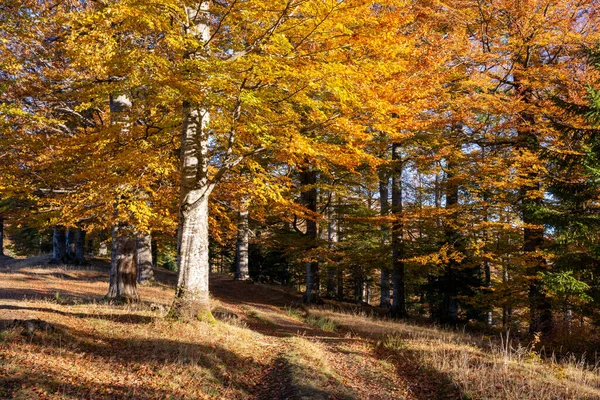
292 358
69 343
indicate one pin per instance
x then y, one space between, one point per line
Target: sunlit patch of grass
482 367
106 351
294 312
321 322
393 343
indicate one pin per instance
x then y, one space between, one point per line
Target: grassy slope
264 346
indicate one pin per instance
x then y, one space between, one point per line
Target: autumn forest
414 162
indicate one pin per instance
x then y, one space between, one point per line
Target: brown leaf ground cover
264 345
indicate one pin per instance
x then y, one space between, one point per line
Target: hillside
264 345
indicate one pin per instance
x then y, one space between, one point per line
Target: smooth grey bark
488 284
398 270
332 239
340 269
71 244
191 296
241 248
102 246
80 247
145 273
507 309
123 269
123 274
384 209
308 196
59 248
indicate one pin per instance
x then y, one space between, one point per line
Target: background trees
436 159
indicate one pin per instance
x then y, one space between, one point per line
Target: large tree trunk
80 247
384 210
59 248
123 274
191 297
399 296
308 177
241 248
71 244
144 258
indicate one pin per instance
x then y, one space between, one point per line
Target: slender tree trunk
80 247
89 249
384 210
398 273
241 248
145 273
540 309
59 248
340 238
154 245
71 245
449 307
332 239
308 177
1 236
102 246
340 283
506 308
123 276
488 285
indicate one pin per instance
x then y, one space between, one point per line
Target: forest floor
264 345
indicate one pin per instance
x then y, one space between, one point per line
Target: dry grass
257 349
105 351
483 368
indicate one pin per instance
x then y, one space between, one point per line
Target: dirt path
299 357
348 367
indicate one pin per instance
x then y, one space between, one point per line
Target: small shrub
321 322
393 342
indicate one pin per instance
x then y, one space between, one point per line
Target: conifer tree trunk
241 248
59 248
71 244
144 258
449 308
384 210
80 247
308 177
398 273
488 284
540 309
